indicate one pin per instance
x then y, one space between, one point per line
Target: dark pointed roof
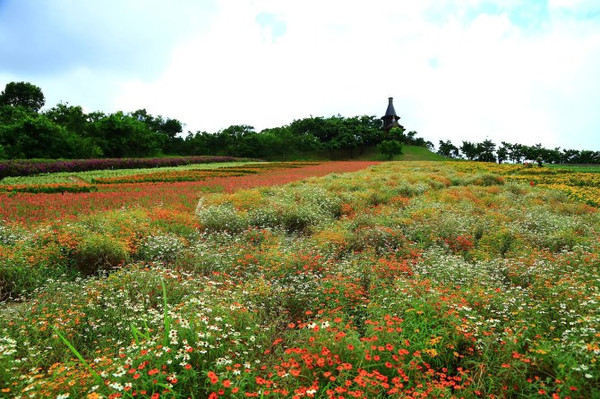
390 108
390 119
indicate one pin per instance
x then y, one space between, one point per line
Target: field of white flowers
413 279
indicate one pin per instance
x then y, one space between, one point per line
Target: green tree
71 117
369 130
569 156
201 143
236 140
469 150
553 155
412 139
397 133
447 149
485 151
120 135
502 154
282 142
167 127
36 136
515 152
23 94
390 148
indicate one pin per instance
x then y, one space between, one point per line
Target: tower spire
390 119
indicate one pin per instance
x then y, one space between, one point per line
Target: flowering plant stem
78 355
167 319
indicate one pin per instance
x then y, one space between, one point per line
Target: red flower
212 377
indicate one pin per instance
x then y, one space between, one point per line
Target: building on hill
390 119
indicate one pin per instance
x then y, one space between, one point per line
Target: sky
506 70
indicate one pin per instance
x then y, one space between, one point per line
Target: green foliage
419 153
390 148
160 248
483 151
517 153
469 150
26 135
22 94
484 179
447 149
65 131
98 253
16 278
28 262
120 135
397 133
68 132
297 209
221 217
539 161
167 127
349 136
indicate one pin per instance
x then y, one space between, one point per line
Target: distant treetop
23 94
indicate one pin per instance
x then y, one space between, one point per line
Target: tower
390 119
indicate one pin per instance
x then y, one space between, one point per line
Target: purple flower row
34 167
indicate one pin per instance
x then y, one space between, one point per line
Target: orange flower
212 377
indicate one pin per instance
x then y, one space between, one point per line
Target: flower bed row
48 188
34 167
165 176
173 176
198 175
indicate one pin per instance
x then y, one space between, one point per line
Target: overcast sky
508 70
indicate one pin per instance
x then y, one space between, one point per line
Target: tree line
66 131
334 136
488 151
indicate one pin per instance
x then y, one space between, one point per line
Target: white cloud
459 73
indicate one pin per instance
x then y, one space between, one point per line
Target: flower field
409 279
582 183
27 200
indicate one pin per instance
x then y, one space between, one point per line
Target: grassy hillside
414 153
411 153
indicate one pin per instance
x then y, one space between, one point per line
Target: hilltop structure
390 119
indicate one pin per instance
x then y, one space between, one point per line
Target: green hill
410 153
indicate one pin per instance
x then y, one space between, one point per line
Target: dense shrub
485 179
293 209
160 248
98 253
222 217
